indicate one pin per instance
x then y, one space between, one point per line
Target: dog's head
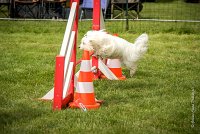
86 44
91 40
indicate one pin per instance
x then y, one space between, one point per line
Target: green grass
157 100
175 10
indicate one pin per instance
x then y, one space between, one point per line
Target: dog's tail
141 43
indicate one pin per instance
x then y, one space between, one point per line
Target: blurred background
176 14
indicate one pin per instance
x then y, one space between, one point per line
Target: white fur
113 47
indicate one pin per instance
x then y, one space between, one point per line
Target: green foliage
156 100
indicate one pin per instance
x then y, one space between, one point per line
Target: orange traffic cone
84 96
115 66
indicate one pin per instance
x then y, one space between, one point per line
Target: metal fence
181 16
174 10
154 16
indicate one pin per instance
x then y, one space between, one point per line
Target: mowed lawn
163 96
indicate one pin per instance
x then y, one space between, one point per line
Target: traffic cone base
76 105
86 99
117 72
122 77
115 67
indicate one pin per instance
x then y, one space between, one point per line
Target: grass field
163 97
174 10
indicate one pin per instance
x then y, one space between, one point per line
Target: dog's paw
133 71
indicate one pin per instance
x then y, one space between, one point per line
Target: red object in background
96 26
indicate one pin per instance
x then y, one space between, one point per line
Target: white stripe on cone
85 87
85 66
113 63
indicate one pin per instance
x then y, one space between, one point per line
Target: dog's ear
91 40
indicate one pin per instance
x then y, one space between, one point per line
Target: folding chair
53 9
5 7
88 5
133 5
27 8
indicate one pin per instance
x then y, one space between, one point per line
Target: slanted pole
73 58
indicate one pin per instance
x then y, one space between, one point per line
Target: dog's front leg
133 70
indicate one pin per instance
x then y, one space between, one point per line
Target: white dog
113 47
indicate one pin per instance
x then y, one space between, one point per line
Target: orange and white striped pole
84 96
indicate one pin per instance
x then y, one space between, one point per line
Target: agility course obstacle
65 79
65 62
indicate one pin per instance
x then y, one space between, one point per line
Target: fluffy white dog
113 47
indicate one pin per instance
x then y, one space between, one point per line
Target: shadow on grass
19 113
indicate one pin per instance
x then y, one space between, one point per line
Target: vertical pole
96 26
58 83
127 26
96 14
11 9
112 10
